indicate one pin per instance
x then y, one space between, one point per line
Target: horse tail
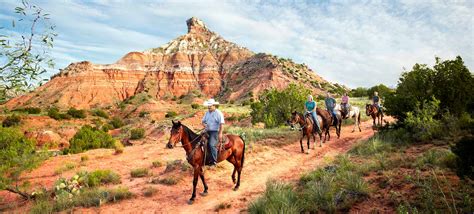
243 154
358 118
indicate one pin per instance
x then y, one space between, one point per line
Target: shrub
17 155
138 173
149 191
12 120
138 133
157 164
107 127
171 180
55 114
66 167
29 110
118 146
116 122
100 113
465 161
421 121
143 114
88 138
75 113
41 206
170 114
98 177
278 198
84 158
195 106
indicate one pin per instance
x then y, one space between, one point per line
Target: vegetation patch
12 120
138 173
77 113
137 133
89 138
100 113
149 191
28 110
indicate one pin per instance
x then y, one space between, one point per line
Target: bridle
190 155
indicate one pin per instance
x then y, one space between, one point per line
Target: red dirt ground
285 163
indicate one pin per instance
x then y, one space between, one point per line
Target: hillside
199 61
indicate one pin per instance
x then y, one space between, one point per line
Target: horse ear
172 121
294 112
179 122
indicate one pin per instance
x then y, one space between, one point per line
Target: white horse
353 113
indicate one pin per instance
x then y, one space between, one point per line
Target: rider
376 101
330 105
310 107
345 104
213 121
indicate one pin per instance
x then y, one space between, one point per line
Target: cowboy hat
210 102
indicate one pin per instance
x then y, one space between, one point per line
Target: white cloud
354 43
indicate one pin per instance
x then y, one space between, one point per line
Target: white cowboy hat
210 102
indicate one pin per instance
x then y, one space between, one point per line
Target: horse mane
190 133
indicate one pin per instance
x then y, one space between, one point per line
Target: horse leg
339 129
239 166
314 139
201 174
308 137
195 181
301 143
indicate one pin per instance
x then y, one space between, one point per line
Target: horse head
294 119
175 135
368 109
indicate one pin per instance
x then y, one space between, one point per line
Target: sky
355 43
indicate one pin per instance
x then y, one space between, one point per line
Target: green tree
358 92
89 138
17 155
24 56
382 89
454 85
274 107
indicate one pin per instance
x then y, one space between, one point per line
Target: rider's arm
221 125
203 121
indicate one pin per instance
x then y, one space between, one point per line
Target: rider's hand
220 137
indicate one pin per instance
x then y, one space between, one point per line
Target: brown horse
306 125
372 110
191 143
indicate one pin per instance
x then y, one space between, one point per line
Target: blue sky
356 43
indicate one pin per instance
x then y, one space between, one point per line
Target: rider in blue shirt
310 107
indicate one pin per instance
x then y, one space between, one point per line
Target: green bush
138 173
137 133
157 163
278 198
421 121
465 161
100 113
17 155
171 180
149 191
116 122
195 106
89 138
99 177
12 120
274 107
29 110
75 113
55 114
143 114
106 127
170 114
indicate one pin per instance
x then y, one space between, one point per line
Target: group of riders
330 102
213 119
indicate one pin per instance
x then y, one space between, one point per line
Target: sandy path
285 163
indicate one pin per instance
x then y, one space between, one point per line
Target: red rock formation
199 60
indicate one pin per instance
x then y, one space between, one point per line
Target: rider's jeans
315 118
213 140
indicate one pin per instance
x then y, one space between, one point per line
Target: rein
190 155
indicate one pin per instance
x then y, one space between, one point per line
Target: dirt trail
285 163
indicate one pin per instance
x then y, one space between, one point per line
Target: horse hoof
203 193
307 152
236 188
191 201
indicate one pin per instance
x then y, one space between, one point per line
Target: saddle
221 146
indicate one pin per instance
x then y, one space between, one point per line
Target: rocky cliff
200 60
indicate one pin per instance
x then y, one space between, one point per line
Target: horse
353 113
195 155
336 122
306 125
373 110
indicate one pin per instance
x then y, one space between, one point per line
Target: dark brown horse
306 125
191 143
373 111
